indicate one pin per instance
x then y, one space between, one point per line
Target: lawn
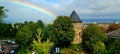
72 49
68 51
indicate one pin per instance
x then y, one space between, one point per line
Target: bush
21 50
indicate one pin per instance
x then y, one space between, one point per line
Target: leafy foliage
47 32
113 46
7 31
39 47
27 32
22 50
40 23
63 32
23 36
2 13
93 39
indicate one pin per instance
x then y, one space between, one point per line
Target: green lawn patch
68 51
72 49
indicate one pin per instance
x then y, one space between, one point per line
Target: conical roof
75 18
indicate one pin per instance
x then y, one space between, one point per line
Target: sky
86 9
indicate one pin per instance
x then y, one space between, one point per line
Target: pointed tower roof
75 18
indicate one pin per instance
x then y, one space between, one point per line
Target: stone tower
77 25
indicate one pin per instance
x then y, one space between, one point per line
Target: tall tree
93 39
2 25
37 45
47 32
23 36
28 31
7 31
63 32
2 13
40 23
41 47
3 30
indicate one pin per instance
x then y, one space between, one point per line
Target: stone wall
78 27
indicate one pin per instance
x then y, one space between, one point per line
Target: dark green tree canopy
2 13
93 39
113 46
27 32
47 32
63 32
23 36
40 23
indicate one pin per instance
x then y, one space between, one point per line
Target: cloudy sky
92 9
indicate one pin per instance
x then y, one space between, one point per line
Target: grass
72 49
68 51
76 47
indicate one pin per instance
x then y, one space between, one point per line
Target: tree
41 47
113 27
63 32
23 36
28 31
11 31
2 13
37 45
113 46
93 40
33 27
7 31
40 23
2 28
47 32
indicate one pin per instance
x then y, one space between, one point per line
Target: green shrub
21 50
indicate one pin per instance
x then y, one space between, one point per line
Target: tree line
38 37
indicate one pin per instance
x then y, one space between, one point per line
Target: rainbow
32 6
